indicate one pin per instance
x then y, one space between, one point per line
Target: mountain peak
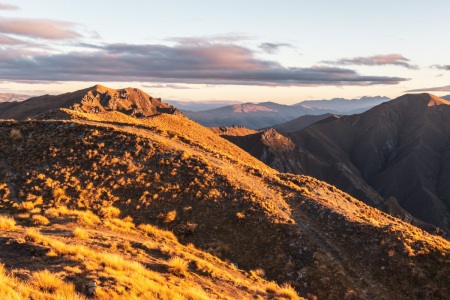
95 99
424 98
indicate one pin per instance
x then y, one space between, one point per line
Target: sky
282 51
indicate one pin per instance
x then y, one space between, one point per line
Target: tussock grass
177 266
7 223
39 220
80 233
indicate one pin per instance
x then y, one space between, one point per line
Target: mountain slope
175 174
401 149
301 122
251 115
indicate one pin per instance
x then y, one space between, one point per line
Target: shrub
7 223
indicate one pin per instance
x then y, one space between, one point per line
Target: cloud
211 39
39 28
198 64
10 41
168 86
376 60
432 89
5 6
441 67
273 48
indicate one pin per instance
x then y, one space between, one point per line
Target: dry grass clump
86 218
15 135
80 233
41 285
155 232
7 223
109 212
50 283
287 291
26 205
119 225
39 220
170 217
177 266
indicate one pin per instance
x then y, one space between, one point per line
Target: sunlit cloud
224 64
167 86
376 60
432 89
39 28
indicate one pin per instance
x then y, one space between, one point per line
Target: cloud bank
376 60
200 64
432 89
39 28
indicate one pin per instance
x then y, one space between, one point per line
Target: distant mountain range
396 156
268 114
9 97
200 105
346 106
251 115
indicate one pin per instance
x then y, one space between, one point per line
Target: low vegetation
163 208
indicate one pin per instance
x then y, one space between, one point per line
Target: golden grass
177 266
39 220
155 232
7 223
42 285
80 233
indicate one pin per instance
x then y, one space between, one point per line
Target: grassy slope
173 173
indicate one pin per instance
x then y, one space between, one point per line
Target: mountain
232 131
200 105
92 100
346 106
238 224
8 97
398 149
251 115
301 122
270 147
446 97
